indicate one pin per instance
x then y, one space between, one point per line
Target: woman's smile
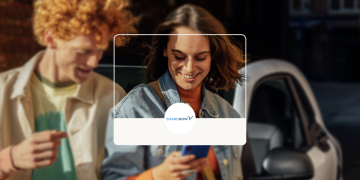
188 77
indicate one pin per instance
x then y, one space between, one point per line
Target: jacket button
203 113
225 162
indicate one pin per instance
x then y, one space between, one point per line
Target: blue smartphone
198 150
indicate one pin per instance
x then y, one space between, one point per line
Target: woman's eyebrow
203 52
176 50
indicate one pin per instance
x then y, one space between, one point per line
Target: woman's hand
38 150
175 164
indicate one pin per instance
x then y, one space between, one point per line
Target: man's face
76 58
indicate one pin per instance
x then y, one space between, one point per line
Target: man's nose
94 61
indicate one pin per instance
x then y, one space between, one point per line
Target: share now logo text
180 118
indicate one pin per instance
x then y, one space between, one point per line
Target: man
53 110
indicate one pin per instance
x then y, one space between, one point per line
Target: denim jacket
143 102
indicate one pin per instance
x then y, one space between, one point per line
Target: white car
287 138
286 132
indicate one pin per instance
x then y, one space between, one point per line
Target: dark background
321 37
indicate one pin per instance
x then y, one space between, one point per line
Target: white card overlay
206 131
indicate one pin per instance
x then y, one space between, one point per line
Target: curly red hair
64 18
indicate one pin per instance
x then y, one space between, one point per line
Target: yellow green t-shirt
49 103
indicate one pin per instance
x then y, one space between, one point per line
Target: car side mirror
289 164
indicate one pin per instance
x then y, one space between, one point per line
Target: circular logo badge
180 118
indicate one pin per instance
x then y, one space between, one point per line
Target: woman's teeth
188 77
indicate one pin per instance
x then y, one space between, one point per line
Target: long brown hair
226 56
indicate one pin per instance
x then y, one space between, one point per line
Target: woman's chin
187 85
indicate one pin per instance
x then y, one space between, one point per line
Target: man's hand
174 165
38 150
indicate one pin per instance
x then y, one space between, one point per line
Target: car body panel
258 70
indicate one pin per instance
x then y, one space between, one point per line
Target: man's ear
49 39
164 50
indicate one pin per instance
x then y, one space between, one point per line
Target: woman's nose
190 65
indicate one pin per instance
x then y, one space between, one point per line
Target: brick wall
17 42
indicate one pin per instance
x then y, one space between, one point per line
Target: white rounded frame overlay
153 131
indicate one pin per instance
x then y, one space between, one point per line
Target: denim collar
171 95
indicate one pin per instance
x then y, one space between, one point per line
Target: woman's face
188 56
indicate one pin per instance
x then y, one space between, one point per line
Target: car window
309 115
273 103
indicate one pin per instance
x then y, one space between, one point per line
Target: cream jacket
86 116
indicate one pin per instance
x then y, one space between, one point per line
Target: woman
183 65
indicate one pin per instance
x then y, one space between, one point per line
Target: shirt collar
85 91
171 95
169 89
24 76
208 102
